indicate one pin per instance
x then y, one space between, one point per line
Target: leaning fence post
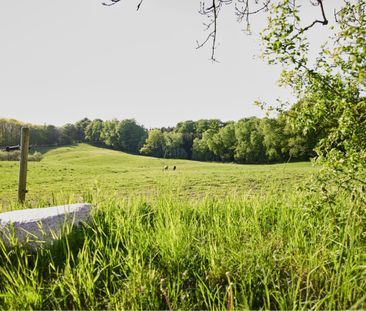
24 146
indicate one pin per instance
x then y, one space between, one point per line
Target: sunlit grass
206 236
271 252
75 170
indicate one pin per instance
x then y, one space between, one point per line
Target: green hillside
81 169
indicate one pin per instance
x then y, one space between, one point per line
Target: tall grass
271 251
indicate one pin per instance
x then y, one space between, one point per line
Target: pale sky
64 60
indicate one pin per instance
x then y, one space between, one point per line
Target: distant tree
275 141
221 142
9 132
209 139
68 134
52 135
227 137
93 131
203 125
173 145
154 144
302 143
188 129
131 136
81 128
201 150
109 134
167 129
37 136
250 147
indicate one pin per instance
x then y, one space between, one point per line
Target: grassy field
206 236
77 170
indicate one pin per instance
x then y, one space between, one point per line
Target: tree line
124 135
249 140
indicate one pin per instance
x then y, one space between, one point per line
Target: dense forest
249 140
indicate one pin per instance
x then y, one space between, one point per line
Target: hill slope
81 169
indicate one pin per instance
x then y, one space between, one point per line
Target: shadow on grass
44 149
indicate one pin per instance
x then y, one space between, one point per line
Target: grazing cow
174 168
166 167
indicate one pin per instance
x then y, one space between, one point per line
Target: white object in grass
42 225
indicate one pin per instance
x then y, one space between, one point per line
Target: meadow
70 173
206 236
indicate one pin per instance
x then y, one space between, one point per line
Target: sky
64 60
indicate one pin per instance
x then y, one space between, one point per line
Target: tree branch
138 6
323 22
112 2
215 31
242 10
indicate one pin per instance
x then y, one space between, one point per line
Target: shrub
15 156
36 156
10 156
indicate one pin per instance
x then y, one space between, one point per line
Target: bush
10 156
15 156
37 156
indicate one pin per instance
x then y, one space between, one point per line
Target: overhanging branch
242 10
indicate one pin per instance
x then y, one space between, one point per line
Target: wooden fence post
24 146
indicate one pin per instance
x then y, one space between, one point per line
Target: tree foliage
332 88
131 136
